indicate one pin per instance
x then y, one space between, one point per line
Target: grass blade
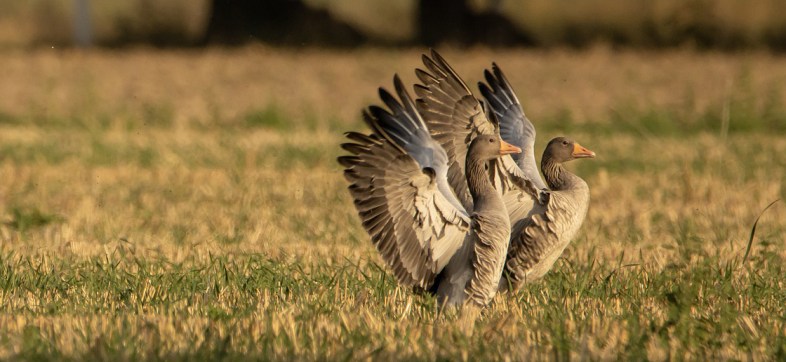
753 231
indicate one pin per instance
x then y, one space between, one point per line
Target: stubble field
187 204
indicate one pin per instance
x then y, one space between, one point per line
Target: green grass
26 218
702 302
270 118
742 118
740 112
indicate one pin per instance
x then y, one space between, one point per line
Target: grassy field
187 205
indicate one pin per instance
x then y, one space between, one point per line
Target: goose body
540 238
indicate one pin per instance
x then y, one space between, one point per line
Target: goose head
563 149
488 147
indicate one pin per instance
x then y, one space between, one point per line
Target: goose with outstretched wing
401 180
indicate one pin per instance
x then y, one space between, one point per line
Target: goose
430 239
545 216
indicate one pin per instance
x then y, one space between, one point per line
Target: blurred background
717 24
197 139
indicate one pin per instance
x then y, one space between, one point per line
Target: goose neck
480 186
556 176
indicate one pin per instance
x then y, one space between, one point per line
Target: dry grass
188 205
214 85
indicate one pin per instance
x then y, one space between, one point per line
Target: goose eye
564 143
491 140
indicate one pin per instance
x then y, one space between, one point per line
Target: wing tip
348 161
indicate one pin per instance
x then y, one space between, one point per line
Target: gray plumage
540 238
445 211
474 271
399 182
545 216
543 226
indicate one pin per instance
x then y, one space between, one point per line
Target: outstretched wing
399 185
514 126
454 117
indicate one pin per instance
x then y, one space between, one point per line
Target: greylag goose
545 216
398 179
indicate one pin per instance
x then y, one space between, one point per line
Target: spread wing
454 117
398 180
514 127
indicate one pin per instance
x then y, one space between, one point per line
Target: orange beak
507 148
580 152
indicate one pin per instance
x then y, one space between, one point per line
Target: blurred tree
283 22
454 21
